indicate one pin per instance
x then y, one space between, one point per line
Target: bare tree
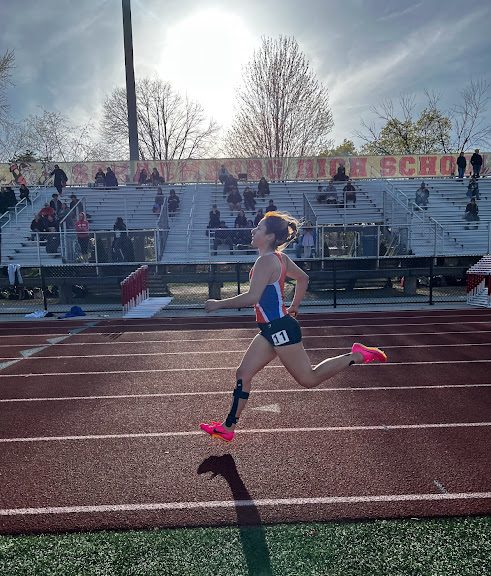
470 117
6 66
170 126
403 132
282 109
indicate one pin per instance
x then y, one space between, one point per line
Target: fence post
43 288
237 270
431 281
334 284
489 237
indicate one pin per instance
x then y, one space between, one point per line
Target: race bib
280 338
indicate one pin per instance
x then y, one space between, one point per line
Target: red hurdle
134 288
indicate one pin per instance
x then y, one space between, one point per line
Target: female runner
280 333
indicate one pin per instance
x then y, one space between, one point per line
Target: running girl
280 333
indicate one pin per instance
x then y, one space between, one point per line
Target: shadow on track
251 531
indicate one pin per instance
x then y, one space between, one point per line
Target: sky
69 53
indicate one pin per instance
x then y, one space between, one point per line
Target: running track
99 423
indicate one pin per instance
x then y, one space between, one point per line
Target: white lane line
177 434
259 502
240 351
247 338
218 368
227 392
252 327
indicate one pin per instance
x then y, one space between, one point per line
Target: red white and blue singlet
271 305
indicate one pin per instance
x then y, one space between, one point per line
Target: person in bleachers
262 188
111 180
307 240
422 197
46 211
158 201
461 165
231 184
331 194
60 179
10 197
243 234
473 188
143 178
241 220
223 236
24 193
223 174
476 163
340 175
118 251
350 192
156 178
271 207
100 178
52 237
173 202
214 219
65 209
83 236
37 225
249 201
56 204
472 213
321 195
259 216
234 200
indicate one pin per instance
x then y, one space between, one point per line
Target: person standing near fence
83 237
280 334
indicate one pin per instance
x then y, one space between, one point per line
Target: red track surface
99 427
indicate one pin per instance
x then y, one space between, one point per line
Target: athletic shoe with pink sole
216 430
369 354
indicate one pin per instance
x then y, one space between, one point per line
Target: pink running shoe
369 354
216 430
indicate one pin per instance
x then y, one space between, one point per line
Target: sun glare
203 55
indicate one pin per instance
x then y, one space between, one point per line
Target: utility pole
130 81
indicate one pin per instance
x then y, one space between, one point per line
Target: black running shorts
281 332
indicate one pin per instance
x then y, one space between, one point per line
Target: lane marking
176 434
440 487
259 502
227 392
218 368
275 408
246 338
28 353
253 327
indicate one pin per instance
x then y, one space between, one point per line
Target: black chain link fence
333 282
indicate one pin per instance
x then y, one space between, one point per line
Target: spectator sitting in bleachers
249 202
422 196
64 210
10 197
350 191
158 202
259 216
37 225
52 237
332 194
473 188
271 207
100 178
143 177
111 180
156 178
214 220
223 174
472 213
321 195
46 211
173 202
223 236
241 220
24 193
230 185
234 200
262 188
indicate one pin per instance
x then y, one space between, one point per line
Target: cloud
400 13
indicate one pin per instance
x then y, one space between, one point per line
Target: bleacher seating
388 203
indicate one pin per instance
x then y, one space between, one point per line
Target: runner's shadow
251 531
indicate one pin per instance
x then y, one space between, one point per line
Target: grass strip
429 547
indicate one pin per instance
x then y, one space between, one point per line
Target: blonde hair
283 226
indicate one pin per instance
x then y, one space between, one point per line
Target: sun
203 55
